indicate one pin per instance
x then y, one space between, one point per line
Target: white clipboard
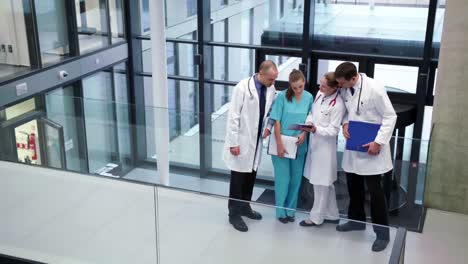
289 143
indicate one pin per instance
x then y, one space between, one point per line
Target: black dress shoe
238 223
252 214
350 226
304 223
291 218
379 244
283 220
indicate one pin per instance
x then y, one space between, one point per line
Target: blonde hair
331 80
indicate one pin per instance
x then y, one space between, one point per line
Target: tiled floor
198 226
188 182
444 240
62 217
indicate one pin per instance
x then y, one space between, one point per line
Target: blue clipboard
361 133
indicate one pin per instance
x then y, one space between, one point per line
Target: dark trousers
241 188
379 212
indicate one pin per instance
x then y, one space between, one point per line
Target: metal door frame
42 122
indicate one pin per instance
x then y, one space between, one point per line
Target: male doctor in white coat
366 101
248 110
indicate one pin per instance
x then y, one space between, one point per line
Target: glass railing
120 140
54 216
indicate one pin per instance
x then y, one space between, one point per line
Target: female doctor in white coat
320 167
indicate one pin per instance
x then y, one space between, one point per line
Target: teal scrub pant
288 176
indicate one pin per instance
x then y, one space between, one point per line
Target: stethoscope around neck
331 103
358 110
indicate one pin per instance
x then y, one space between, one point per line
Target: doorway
30 137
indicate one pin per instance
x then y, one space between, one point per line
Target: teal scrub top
292 112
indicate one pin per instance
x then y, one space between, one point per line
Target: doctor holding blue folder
367 106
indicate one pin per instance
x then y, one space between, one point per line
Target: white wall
13 32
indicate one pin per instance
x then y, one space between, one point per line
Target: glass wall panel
285 65
389 27
99 117
325 66
97 124
220 93
52 25
52 146
180 58
123 109
221 98
183 121
235 65
397 78
426 132
181 18
64 109
260 22
144 16
146 55
218 4
438 27
93 31
116 12
14 52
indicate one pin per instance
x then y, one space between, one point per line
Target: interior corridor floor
56 216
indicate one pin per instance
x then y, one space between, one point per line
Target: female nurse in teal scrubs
291 107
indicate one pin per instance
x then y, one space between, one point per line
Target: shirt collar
329 97
357 86
258 84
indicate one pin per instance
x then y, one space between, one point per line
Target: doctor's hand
310 130
235 151
266 133
281 150
373 148
301 138
346 131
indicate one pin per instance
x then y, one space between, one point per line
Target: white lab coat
320 166
375 108
242 126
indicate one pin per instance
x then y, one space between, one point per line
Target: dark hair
294 76
331 80
346 70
